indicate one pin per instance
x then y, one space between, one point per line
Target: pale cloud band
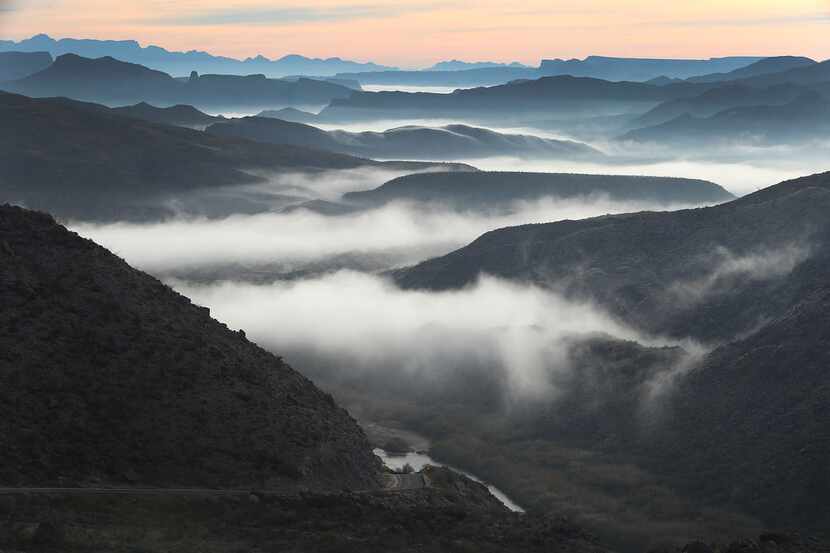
288 15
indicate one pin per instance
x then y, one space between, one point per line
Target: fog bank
500 337
411 232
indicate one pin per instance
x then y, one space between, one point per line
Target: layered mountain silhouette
182 63
16 65
90 162
807 74
494 191
461 78
459 65
599 67
548 96
765 66
413 142
805 118
180 115
293 115
640 69
113 82
744 426
711 102
111 377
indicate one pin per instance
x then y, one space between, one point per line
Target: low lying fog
340 325
293 239
352 323
741 169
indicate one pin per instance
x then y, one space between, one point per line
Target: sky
415 33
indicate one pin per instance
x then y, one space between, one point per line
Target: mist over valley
597 285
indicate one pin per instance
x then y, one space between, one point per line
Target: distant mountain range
805 118
496 191
774 101
460 78
760 67
445 73
641 69
16 65
599 67
451 142
546 97
458 65
113 82
89 162
182 63
715 100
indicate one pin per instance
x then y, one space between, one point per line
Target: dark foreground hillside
108 376
452 515
147 421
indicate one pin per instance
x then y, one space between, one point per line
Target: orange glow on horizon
415 33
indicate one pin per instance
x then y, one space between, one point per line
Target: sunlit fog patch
412 232
357 325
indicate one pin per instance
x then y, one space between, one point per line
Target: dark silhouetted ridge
107 374
497 190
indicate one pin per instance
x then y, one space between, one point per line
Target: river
419 460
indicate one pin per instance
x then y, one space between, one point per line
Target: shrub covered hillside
108 375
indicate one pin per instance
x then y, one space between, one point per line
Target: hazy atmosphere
414 276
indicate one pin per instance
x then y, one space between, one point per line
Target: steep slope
765 66
749 427
745 427
497 190
82 161
711 273
17 65
109 375
114 82
410 142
